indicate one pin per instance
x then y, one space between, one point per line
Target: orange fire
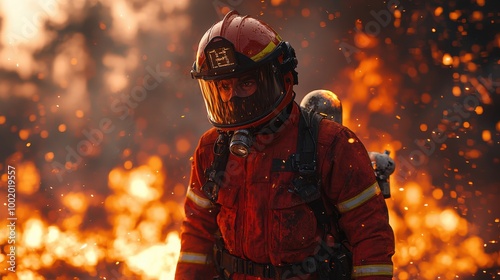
135 239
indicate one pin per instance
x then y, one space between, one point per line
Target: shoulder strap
308 183
215 173
305 159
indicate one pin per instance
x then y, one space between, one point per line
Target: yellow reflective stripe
189 257
198 200
269 48
374 269
361 198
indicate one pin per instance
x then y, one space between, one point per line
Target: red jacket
261 220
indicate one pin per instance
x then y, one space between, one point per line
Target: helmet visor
243 99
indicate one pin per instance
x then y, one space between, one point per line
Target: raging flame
430 237
135 244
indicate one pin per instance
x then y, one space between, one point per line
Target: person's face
242 86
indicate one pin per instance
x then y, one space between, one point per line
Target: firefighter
252 203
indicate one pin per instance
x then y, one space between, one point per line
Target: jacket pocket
226 219
293 224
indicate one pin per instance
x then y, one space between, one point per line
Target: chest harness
329 262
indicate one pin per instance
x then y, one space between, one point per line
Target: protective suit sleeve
199 226
352 188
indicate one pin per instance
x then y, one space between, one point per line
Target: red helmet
246 72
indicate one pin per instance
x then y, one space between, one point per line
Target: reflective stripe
198 200
361 198
375 269
269 48
188 257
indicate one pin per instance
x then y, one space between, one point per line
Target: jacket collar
288 122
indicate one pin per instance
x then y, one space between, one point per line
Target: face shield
242 99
